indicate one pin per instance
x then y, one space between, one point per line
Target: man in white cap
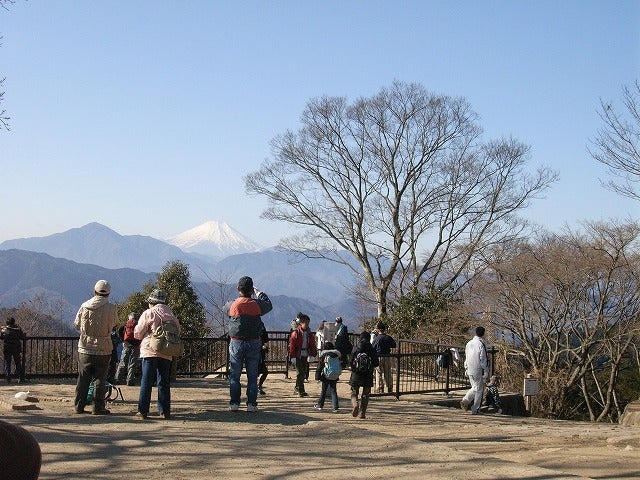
95 320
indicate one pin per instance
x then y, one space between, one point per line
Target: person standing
343 345
263 370
156 366
245 327
13 336
320 338
95 321
476 368
130 356
383 344
328 372
302 350
363 361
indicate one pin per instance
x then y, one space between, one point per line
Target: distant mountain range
65 266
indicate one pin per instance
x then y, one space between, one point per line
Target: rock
631 415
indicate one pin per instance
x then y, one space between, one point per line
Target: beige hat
102 287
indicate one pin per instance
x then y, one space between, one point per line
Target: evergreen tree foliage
175 279
433 314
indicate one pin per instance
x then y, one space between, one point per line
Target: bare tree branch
386 177
617 145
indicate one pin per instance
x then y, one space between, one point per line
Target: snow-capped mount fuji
214 239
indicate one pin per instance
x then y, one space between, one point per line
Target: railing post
397 389
23 359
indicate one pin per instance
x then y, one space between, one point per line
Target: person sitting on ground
493 396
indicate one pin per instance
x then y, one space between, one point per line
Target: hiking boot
140 416
355 410
234 407
252 408
101 411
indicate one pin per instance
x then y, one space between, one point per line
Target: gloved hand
293 361
312 359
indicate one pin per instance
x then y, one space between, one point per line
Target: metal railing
414 366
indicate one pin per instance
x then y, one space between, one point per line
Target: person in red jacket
302 350
130 358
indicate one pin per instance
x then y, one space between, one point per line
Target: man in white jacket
476 368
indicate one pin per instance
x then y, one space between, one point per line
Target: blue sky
144 116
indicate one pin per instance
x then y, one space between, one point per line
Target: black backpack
361 363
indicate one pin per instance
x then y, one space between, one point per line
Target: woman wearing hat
155 365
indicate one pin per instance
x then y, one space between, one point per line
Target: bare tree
568 306
618 143
221 290
4 119
401 181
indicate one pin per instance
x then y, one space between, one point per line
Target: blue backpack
332 368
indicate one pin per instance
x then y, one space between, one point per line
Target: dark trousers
263 371
302 369
91 367
159 370
364 400
17 359
331 386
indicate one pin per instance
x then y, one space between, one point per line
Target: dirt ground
289 439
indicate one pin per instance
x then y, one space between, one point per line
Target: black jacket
343 345
363 380
383 344
12 336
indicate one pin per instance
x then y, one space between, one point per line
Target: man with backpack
363 360
130 357
328 371
245 344
382 344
